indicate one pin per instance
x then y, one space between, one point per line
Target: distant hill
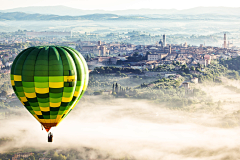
40 17
63 11
212 10
26 16
56 10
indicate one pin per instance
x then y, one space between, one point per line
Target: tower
102 51
161 43
225 41
164 40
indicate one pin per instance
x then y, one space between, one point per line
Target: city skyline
119 5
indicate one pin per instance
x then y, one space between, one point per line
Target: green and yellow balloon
49 81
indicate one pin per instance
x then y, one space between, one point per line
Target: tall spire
225 40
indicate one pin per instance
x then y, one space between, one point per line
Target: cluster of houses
6 56
19 156
156 54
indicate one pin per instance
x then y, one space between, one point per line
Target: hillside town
156 54
98 53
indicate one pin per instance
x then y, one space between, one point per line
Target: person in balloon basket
50 137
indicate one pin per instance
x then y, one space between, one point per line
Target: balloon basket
50 137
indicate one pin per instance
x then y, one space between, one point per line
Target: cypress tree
113 89
116 88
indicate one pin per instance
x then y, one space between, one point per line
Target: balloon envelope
49 81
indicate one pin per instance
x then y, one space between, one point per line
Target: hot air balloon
49 81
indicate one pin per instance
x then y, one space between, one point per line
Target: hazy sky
119 4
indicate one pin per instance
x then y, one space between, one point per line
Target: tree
177 83
119 62
199 70
184 67
97 93
199 65
147 54
108 70
193 68
118 73
31 157
4 93
116 88
135 54
62 157
137 71
88 57
186 70
113 90
101 70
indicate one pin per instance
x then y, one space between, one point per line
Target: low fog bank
137 129
222 92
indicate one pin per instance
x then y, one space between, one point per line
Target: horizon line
121 9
